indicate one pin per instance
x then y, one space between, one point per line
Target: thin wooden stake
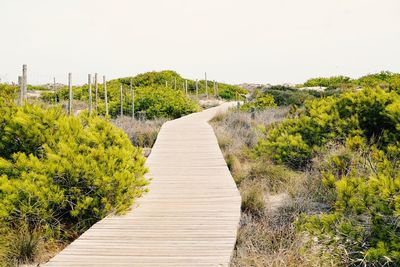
25 81
21 91
197 87
133 100
206 84
96 92
105 94
120 100
166 84
55 90
175 83
90 93
186 87
215 89
70 96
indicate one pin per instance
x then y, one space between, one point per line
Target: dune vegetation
60 174
320 182
155 95
56 178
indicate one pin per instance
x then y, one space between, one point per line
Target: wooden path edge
190 217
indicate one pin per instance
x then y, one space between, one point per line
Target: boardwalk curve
189 217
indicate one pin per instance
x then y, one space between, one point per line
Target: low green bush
363 221
331 82
62 174
360 178
383 80
372 114
259 103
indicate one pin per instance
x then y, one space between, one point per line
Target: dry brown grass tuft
273 196
142 133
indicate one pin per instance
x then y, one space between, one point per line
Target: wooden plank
189 217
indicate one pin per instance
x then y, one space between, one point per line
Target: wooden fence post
133 100
197 87
70 96
25 81
90 93
206 84
21 91
120 100
186 87
55 90
105 94
96 92
215 89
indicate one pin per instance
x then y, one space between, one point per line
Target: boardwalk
189 217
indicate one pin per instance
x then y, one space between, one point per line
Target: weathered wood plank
189 217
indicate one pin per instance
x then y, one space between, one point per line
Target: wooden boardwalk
189 217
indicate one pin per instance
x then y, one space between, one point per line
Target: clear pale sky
265 41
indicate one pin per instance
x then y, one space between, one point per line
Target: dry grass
142 133
273 196
26 247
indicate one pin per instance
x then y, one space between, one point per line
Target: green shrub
163 102
231 92
362 179
372 114
152 98
60 172
259 103
286 96
331 82
366 208
383 79
150 88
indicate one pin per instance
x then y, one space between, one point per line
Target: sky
234 41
